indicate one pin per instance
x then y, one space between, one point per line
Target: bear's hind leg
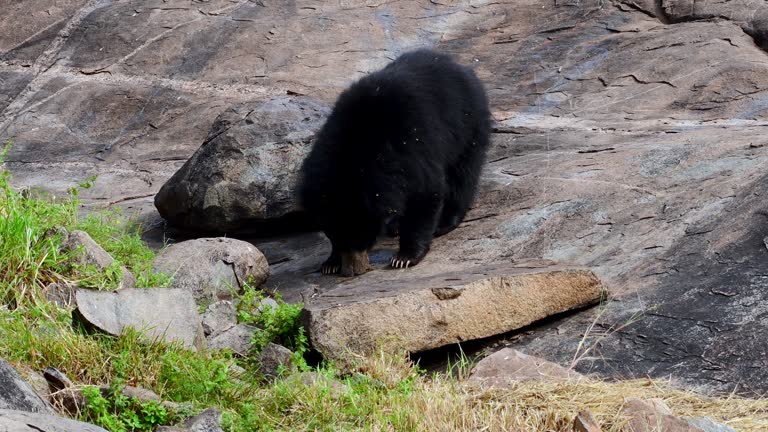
416 229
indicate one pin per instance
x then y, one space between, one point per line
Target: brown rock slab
419 313
653 415
504 368
585 422
212 268
163 313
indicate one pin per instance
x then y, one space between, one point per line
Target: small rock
60 293
218 317
165 313
91 253
267 302
653 415
508 366
236 339
585 422
207 421
64 394
317 379
17 394
273 358
212 268
20 421
765 242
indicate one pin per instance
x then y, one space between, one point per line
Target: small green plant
279 324
120 413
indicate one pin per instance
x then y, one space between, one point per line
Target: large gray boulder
21 421
213 268
243 176
161 313
17 394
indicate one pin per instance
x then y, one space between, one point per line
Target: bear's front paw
405 260
331 266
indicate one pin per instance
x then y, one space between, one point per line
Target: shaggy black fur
403 149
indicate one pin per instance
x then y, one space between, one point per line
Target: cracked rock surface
629 139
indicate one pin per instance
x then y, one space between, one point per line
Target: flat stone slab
165 313
20 421
404 310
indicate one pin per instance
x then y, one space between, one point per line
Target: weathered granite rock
17 394
244 175
218 317
212 268
414 313
629 140
507 367
236 339
87 252
161 313
21 421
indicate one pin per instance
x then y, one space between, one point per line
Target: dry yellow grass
442 403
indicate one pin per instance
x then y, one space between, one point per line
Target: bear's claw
400 263
329 269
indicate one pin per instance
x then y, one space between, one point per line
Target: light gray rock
507 367
244 174
236 339
21 421
17 394
267 302
218 317
273 358
212 268
207 421
706 424
164 313
88 252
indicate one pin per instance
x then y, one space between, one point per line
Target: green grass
381 393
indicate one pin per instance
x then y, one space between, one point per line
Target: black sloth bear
403 148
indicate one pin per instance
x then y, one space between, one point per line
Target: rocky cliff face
629 139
